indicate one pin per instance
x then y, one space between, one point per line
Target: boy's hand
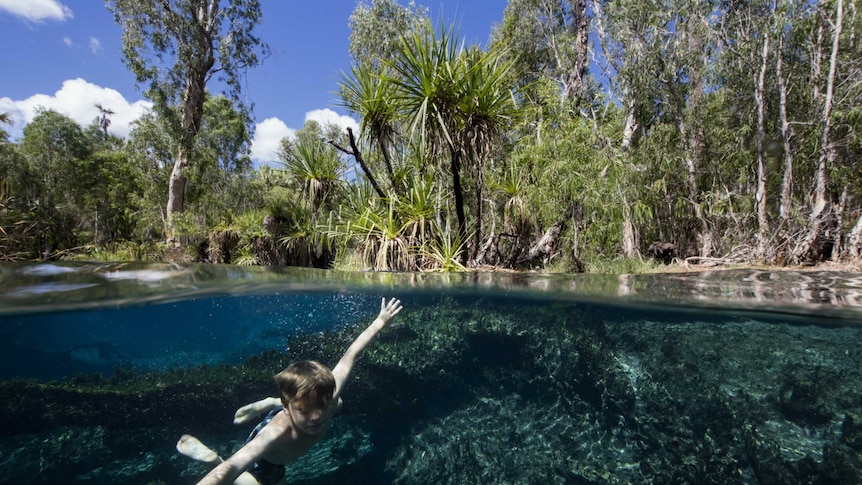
389 310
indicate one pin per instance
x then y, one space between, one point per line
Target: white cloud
8 106
267 139
66 40
36 10
328 117
95 45
77 99
269 133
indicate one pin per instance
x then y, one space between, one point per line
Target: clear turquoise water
722 377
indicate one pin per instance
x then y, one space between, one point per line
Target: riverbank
155 254
852 267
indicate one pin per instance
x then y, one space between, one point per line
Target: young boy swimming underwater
310 395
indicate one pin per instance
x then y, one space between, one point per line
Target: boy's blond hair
306 382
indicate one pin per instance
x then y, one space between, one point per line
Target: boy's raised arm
342 370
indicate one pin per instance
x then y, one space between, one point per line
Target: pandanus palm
456 97
486 107
449 101
316 167
427 79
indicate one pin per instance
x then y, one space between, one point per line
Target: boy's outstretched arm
341 372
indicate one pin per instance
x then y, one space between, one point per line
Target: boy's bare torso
285 443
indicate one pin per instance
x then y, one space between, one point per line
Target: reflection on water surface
46 287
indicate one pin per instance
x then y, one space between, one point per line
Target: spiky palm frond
444 252
418 208
317 168
246 257
372 98
513 183
378 234
486 103
426 76
386 244
238 234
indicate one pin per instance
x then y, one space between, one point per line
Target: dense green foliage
174 47
70 191
582 134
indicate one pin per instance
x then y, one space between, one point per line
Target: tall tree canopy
174 47
376 29
548 38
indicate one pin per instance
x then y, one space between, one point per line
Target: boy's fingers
393 307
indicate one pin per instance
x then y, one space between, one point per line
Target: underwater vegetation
487 392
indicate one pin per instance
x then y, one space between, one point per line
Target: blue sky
66 55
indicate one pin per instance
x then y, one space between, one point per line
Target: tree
58 156
819 201
632 39
693 62
428 83
222 168
633 42
103 119
548 38
220 173
22 229
313 165
58 150
372 97
112 208
453 101
376 30
174 47
486 109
